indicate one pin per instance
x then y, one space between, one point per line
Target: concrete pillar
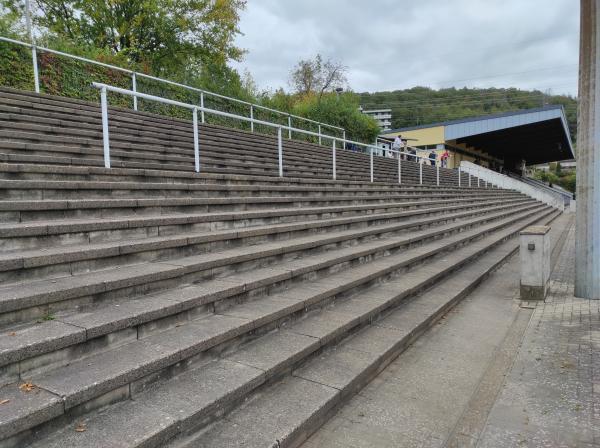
587 245
535 262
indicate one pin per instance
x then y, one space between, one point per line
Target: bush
339 110
569 182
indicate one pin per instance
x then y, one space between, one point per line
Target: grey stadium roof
536 135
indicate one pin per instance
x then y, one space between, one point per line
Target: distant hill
422 105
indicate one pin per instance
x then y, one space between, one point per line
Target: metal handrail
104 88
135 75
507 182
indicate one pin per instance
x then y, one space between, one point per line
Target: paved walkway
493 373
552 396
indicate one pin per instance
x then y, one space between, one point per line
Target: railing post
459 177
399 169
251 118
36 76
420 174
202 106
196 142
344 135
280 151
437 175
371 164
289 127
105 137
333 158
478 182
134 88
469 180
319 134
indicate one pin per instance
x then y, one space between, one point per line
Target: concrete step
121 287
43 233
47 209
63 189
36 299
213 145
50 261
181 128
230 184
212 153
142 203
286 413
186 402
358 176
294 271
318 164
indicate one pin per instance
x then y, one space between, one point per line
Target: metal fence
202 111
240 107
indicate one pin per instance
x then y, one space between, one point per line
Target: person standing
397 144
444 158
432 157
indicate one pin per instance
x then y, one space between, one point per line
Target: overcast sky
398 44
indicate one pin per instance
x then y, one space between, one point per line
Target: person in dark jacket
432 157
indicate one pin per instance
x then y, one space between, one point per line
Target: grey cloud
391 45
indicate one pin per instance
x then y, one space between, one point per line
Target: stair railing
503 181
368 148
252 107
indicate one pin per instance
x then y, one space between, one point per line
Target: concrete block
535 255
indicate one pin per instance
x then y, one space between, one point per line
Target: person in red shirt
445 156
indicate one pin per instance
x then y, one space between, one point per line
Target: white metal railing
564 195
370 149
203 93
503 181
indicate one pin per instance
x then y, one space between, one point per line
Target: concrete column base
535 262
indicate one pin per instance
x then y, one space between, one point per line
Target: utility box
535 262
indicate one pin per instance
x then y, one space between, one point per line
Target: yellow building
504 141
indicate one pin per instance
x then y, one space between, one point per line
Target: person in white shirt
397 145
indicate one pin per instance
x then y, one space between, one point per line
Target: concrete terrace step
153 306
66 259
134 119
49 189
76 206
211 148
354 281
323 164
28 211
16 152
216 289
212 145
285 414
23 300
187 401
31 184
32 234
360 176
55 173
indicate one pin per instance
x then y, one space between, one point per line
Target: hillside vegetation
422 105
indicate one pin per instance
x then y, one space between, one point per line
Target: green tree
167 35
317 76
10 23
